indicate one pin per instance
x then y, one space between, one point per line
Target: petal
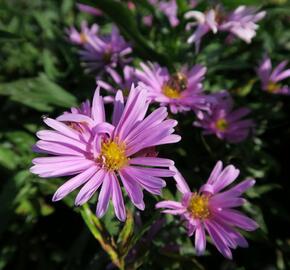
104 196
133 189
200 241
151 161
98 110
218 240
74 183
89 189
118 108
181 184
117 199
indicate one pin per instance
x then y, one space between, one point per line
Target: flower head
271 78
181 91
100 154
100 52
223 121
240 23
211 210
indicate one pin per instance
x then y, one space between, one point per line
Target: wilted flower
168 8
122 82
223 121
100 52
101 154
271 78
211 210
181 91
240 23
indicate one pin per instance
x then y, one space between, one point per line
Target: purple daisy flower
271 78
168 8
104 155
223 121
240 23
211 210
123 82
181 91
100 52
205 22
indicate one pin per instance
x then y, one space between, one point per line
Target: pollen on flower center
273 87
112 155
83 38
171 92
222 124
198 206
175 85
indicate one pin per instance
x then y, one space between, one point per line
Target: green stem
100 233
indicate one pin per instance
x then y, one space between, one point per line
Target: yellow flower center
273 87
198 206
83 38
175 85
171 92
222 124
112 155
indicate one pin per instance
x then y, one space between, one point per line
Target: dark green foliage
40 74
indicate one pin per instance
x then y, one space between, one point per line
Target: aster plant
100 52
211 210
240 23
104 155
271 78
180 91
224 121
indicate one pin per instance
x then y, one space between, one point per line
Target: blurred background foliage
40 74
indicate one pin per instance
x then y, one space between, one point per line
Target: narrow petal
133 189
181 184
89 189
151 161
104 196
74 183
117 199
200 241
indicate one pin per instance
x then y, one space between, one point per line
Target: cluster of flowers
101 155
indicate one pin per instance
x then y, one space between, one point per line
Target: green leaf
96 228
126 234
7 158
4 35
39 93
126 22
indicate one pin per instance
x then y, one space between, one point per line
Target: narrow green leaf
126 234
39 93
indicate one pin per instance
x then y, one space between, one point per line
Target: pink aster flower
181 91
205 22
123 82
102 155
240 23
168 8
271 78
100 52
223 121
211 210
